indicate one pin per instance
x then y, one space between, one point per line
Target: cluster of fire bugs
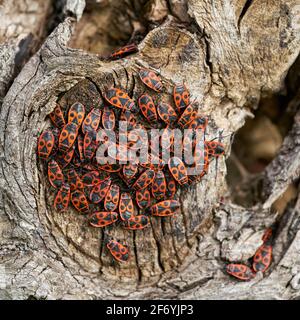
113 193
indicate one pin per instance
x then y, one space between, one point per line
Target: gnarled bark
229 53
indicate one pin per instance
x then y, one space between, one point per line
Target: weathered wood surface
229 53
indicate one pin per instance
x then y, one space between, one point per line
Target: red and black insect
65 158
90 144
240 271
102 219
147 107
136 222
62 199
91 121
126 208
100 190
76 113
215 148
124 51
91 178
57 117
188 115
119 99
165 208
262 258
151 79
80 201
108 118
178 170
198 123
45 144
118 251
144 180
129 170
128 117
166 112
112 197
181 96
55 175
67 136
143 198
159 186
74 180
171 186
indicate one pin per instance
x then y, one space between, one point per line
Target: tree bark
230 54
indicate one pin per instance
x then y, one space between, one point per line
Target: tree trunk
231 55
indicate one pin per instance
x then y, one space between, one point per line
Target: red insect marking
126 208
91 179
57 117
262 258
150 79
198 123
144 180
45 144
143 198
178 170
55 175
171 187
76 113
165 208
67 136
128 117
62 199
147 107
181 96
101 219
118 251
137 222
119 99
129 170
215 148
91 121
240 271
90 144
79 201
65 158
112 198
159 187
99 191
166 113
188 115
74 180
124 51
